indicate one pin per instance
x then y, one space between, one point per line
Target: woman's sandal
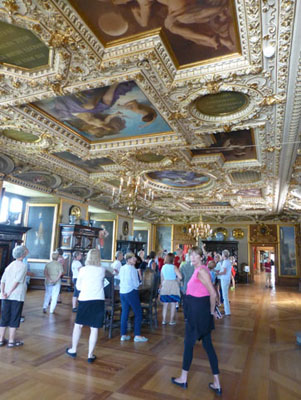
16 343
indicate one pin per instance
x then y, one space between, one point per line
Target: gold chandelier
200 230
131 191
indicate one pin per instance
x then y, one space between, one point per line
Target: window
11 209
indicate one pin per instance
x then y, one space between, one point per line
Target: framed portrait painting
288 254
106 239
41 218
164 238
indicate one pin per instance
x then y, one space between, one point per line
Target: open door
259 255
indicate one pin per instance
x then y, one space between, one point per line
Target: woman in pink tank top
199 306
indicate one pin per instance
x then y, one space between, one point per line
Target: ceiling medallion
223 103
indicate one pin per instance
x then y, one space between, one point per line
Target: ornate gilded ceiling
198 101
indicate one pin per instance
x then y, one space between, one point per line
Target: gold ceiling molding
171 90
63 44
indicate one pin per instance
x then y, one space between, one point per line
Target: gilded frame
113 238
36 236
280 269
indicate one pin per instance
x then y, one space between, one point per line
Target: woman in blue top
170 290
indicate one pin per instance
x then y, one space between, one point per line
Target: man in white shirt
53 272
225 276
129 296
116 266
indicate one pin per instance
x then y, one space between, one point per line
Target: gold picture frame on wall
42 219
106 241
288 252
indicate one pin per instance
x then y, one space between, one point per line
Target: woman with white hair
129 297
13 290
225 277
90 311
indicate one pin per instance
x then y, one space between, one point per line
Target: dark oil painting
195 30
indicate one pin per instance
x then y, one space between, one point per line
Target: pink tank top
195 287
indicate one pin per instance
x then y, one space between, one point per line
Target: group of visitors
200 297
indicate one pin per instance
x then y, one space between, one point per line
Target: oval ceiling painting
20 136
223 103
178 179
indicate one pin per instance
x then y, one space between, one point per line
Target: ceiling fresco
194 102
238 145
117 111
178 179
249 192
195 30
88 165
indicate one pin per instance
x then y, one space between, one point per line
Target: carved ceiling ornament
78 61
262 233
248 111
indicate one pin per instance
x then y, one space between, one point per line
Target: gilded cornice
78 61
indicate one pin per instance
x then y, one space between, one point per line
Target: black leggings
208 346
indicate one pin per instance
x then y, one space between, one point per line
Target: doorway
259 255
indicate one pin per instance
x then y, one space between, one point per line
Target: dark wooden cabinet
10 236
130 245
76 238
219 246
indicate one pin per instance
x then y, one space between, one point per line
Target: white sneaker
125 338
172 323
140 339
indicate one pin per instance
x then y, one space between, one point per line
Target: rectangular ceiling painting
94 165
119 111
196 30
234 146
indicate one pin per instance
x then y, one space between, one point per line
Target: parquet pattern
256 347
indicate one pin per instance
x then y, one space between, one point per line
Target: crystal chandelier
131 191
200 230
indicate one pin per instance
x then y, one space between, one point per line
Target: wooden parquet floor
256 347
